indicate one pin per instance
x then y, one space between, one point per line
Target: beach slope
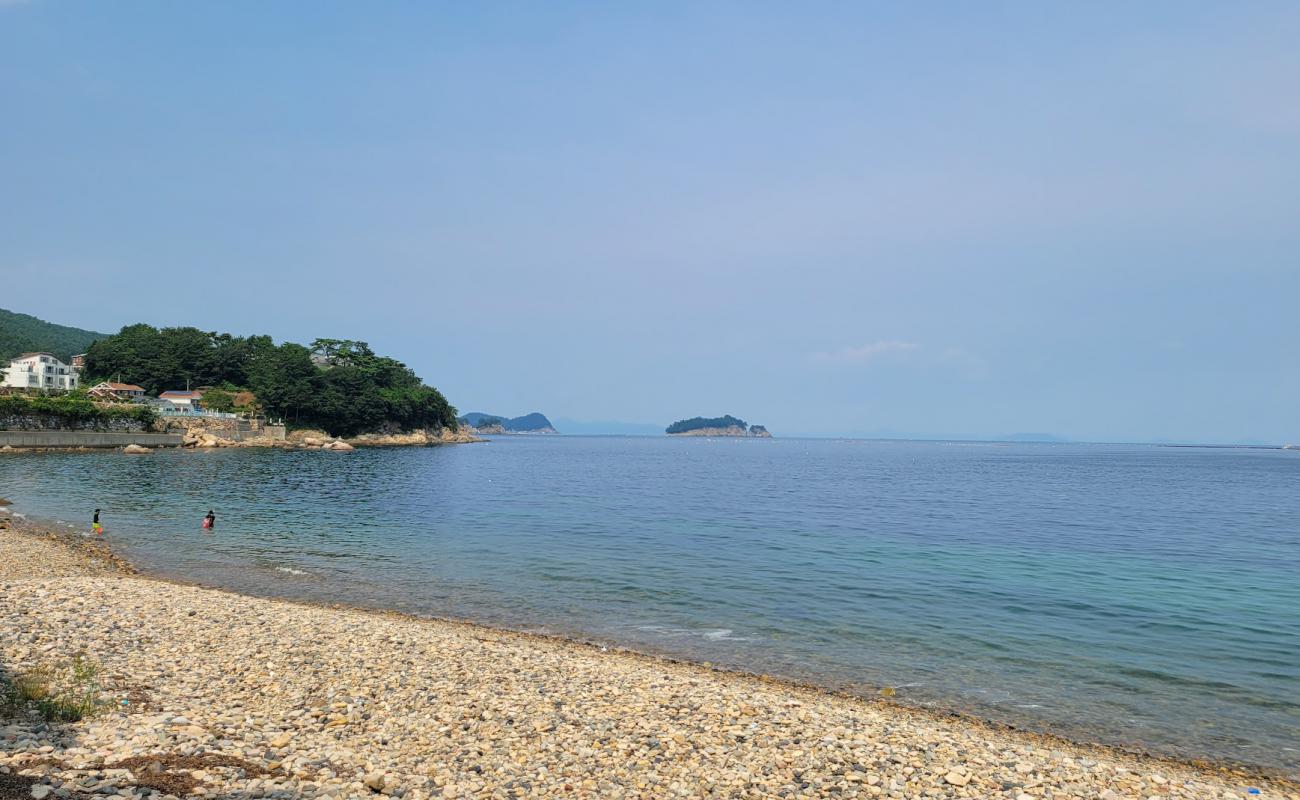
208 692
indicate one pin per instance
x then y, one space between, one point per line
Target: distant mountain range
23 333
535 422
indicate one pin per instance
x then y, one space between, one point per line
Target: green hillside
338 385
22 333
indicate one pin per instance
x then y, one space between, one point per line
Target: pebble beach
206 693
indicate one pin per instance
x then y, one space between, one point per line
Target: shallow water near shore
1136 595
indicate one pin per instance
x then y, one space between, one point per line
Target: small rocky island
716 426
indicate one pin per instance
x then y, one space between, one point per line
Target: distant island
716 426
535 422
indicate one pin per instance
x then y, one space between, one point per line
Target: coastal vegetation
23 333
67 691
231 400
337 385
73 407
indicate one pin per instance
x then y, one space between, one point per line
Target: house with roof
111 390
188 401
40 371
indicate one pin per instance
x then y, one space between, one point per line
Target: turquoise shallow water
1139 595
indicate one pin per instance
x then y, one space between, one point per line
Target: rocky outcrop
752 432
223 432
207 424
321 443
199 435
427 436
733 430
316 440
202 437
135 449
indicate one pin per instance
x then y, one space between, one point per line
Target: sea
1145 596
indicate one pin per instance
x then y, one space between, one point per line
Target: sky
918 219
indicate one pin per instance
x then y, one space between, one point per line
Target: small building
188 401
40 371
109 390
79 361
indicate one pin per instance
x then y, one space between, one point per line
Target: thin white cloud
863 354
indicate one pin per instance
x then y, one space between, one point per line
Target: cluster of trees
338 385
230 398
696 423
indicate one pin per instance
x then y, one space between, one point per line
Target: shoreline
194 434
1036 764
354 444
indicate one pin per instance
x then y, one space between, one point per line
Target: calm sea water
1140 595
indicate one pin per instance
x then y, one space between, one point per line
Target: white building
186 402
40 371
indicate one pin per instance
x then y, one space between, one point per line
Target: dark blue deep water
1132 594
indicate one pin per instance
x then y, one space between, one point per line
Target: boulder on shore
136 449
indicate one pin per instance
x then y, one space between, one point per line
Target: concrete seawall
86 439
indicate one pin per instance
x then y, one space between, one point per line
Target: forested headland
338 385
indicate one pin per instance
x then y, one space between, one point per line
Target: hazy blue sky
974 218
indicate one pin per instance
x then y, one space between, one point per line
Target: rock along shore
199 436
213 694
734 431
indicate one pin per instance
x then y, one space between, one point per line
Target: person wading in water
95 526
210 521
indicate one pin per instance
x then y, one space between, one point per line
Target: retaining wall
56 423
86 439
227 429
